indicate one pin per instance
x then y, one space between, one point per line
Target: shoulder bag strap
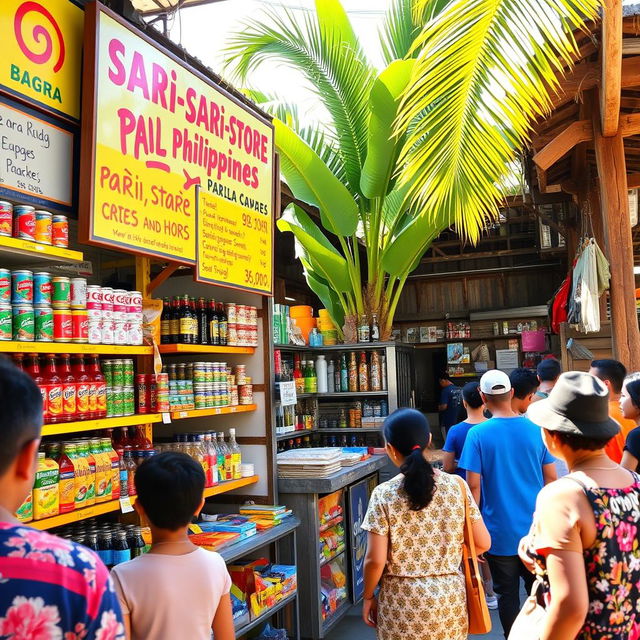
468 530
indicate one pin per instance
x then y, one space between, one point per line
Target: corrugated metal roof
149 7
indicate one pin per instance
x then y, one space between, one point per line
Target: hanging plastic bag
604 273
589 298
269 633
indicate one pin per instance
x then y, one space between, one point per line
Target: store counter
331 544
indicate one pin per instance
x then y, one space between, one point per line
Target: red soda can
60 231
143 399
24 222
152 393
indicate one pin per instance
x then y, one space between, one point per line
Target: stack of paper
231 523
264 515
320 462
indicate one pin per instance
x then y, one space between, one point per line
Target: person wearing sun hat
584 537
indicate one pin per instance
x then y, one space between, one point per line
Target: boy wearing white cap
507 464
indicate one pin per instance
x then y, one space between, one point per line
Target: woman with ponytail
416 531
630 407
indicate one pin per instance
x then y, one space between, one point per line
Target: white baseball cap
495 382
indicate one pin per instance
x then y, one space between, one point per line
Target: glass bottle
375 378
174 321
83 387
193 321
121 552
18 360
131 471
105 548
33 369
331 373
353 372
222 324
236 455
91 541
165 322
203 329
375 328
68 388
53 384
344 374
364 334
363 373
123 474
214 324
297 374
99 391
136 542
185 321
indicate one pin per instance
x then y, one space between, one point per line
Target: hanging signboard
42 53
160 129
36 158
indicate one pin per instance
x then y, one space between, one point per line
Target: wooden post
612 174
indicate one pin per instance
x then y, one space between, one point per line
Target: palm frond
485 69
288 112
324 49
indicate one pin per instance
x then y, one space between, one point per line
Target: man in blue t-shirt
450 403
474 406
507 464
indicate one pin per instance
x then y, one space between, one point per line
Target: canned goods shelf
77 515
214 411
69 347
60 428
230 485
30 251
203 348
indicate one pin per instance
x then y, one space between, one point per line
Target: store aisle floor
353 628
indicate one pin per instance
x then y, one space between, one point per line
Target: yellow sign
42 53
161 130
235 246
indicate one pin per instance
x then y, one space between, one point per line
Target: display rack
17 251
68 347
204 348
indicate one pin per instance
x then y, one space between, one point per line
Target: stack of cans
242 325
26 223
115 316
119 379
153 393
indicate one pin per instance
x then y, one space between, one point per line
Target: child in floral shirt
50 589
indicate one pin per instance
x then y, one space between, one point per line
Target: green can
110 408
118 373
43 319
128 373
118 402
6 331
107 372
129 399
23 323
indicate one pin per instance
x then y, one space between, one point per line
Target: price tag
166 418
288 395
125 505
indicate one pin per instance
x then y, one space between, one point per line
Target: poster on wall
161 129
42 53
358 503
36 158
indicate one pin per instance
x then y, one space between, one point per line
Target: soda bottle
18 360
236 455
131 471
53 384
213 335
297 374
185 321
174 321
113 484
222 324
33 369
212 456
165 322
105 548
98 385
203 459
67 486
121 551
83 387
344 374
68 388
203 332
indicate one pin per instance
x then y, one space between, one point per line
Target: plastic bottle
321 374
83 388
212 460
203 459
33 369
53 384
105 548
98 395
131 472
121 552
236 455
113 482
331 377
226 467
344 374
46 488
219 456
18 360
67 487
68 388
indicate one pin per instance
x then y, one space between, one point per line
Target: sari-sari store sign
161 129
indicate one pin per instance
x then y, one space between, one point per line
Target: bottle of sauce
364 334
344 375
363 373
214 324
68 388
131 471
165 322
375 382
83 388
353 372
185 321
222 324
194 321
33 369
203 332
53 384
297 374
98 386
67 486
123 474
174 321
375 328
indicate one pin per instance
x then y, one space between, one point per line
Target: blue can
42 288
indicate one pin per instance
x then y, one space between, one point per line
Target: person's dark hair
523 382
471 395
21 411
577 443
611 370
632 383
549 370
408 431
444 375
170 487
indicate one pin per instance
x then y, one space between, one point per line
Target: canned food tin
232 335
62 325
108 330
162 383
24 222
107 372
43 322
135 332
6 329
6 218
135 301
119 300
128 372
5 286
21 287
199 372
23 323
60 231
61 292
245 394
120 330
42 231
143 398
241 372
107 299
118 401
129 401
109 401
152 392
78 293
94 297
94 331
118 373
231 309
42 289
80 326
253 316
233 396
200 396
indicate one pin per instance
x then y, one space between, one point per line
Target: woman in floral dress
584 538
415 523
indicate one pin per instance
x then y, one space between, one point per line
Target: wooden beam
610 162
629 124
633 180
164 275
631 46
575 133
611 67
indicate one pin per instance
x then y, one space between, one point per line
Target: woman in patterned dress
415 523
584 537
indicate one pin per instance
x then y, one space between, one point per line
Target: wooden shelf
77 515
295 434
203 348
230 485
60 428
31 251
67 347
213 411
